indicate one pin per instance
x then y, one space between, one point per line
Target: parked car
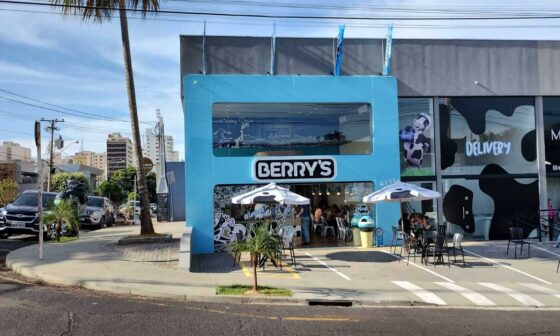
99 213
21 215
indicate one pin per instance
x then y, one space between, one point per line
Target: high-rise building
92 159
119 153
153 147
10 150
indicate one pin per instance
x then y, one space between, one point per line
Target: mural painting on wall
489 139
226 226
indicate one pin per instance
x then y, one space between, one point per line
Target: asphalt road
28 308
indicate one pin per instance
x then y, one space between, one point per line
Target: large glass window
416 136
231 220
268 129
479 131
551 118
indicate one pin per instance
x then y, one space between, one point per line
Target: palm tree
64 211
100 10
262 243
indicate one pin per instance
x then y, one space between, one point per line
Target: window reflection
263 129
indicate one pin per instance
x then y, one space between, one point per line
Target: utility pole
52 127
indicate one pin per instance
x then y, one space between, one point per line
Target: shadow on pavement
366 256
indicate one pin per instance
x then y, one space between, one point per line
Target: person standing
305 215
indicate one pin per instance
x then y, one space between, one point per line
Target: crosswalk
483 294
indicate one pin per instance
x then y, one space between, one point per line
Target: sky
77 66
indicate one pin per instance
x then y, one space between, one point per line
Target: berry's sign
312 168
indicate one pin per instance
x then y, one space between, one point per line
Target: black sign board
316 168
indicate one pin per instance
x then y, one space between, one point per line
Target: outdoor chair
287 237
326 228
342 229
397 236
437 248
457 240
237 255
413 247
516 237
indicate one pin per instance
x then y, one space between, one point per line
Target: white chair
342 229
326 228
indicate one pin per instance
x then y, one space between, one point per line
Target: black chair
457 240
413 247
237 255
437 247
516 237
397 236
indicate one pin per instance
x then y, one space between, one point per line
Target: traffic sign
148 165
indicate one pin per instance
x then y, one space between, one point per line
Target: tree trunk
145 217
58 228
255 257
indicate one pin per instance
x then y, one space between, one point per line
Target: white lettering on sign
554 136
496 148
289 169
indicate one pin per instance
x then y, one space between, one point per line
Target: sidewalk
363 276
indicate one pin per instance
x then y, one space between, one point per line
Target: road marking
325 319
423 294
476 298
541 289
421 267
522 298
545 250
329 267
508 267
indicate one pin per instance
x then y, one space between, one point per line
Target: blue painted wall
176 191
203 170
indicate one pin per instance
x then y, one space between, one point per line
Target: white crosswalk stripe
520 297
542 289
476 298
423 294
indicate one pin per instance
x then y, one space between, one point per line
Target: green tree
111 190
125 179
64 211
103 10
151 182
132 196
260 243
8 190
60 181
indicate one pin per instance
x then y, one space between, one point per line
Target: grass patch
63 240
242 290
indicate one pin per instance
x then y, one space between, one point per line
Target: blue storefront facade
476 120
218 162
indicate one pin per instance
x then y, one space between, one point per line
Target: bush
8 191
60 181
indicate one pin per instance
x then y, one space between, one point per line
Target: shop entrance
331 205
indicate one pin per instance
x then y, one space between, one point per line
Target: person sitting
331 220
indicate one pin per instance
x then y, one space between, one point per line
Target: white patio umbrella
270 193
401 192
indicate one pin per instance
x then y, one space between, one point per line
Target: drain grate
337 303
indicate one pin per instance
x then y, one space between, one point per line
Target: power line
276 16
92 115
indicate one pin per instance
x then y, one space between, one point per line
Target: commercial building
91 173
477 120
119 153
93 159
10 150
153 147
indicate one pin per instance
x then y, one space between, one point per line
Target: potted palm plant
261 242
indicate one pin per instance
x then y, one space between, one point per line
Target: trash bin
356 231
366 226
